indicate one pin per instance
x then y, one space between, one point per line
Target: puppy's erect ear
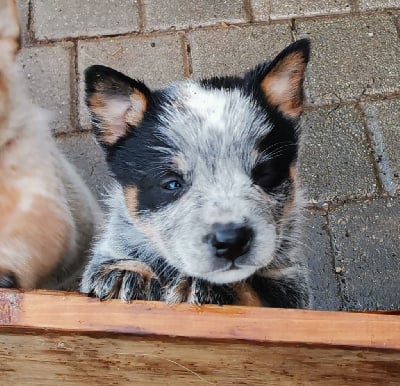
116 103
281 80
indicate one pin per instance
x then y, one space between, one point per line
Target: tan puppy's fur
48 216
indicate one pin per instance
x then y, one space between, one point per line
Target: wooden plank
49 338
61 311
54 359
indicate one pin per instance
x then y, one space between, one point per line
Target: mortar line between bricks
372 151
341 201
374 135
164 32
249 10
214 27
187 56
397 24
29 31
339 278
353 102
72 134
141 13
74 119
334 16
355 6
293 29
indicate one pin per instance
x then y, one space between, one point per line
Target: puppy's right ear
116 103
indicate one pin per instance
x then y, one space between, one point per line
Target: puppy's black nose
231 240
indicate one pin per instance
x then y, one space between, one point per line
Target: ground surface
350 163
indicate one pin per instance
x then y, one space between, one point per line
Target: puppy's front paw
126 280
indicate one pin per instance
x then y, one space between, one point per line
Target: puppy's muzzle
230 240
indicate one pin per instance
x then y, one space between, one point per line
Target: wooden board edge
60 311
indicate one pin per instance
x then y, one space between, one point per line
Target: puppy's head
207 168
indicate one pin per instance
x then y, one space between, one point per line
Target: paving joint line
74 80
353 102
141 14
340 279
221 25
29 31
293 29
355 6
249 10
372 152
187 56
397 24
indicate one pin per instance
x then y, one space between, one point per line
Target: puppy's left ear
281 80
116 103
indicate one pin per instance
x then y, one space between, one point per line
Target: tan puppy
48 216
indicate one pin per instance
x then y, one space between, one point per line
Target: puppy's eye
266 180
268 176
172 185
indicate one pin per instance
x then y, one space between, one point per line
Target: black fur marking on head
143 159
223 83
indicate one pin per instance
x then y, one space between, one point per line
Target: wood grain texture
53 359
49 338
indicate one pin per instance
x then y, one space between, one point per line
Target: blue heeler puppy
206 204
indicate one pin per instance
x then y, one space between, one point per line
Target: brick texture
352 58
72 18
178 14
277 9
367 247
334 161
230 51
48 71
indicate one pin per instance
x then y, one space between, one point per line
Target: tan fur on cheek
246 295
131 200
33 240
